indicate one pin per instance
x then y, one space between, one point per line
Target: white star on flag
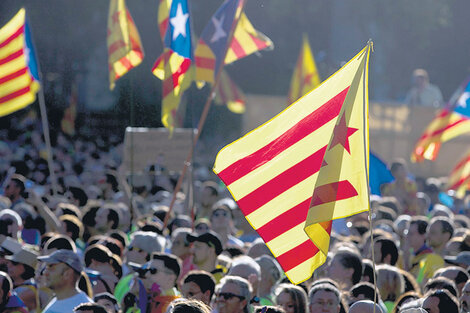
179 22
463 99
219 30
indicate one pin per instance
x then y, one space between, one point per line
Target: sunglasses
229 295
220 213
154 270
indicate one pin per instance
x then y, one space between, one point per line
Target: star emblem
179 22
341 134
219 29
462 101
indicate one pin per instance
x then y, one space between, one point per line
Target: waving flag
227 92
378 174
318 145
19 78
305 77
246 40
163 18
211 50
459 178
124 48
175 62
449 123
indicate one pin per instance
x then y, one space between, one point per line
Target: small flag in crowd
305 77
124 48
318 145
449 123
19 77
172 66
459 178
68 120
379 174
246 40
227 92
211 50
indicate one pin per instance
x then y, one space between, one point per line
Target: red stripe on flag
260 44
285 221
170 83
15 35
306 126
15 94
297 255
282 182
237 48
116 45
333 192
126 63
461 163
441 130
205 62
459 182
14 75
163 26
11 57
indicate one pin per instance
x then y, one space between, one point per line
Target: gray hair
148 241
244 285
270 265
248 262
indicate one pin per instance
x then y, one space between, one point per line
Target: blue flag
378 174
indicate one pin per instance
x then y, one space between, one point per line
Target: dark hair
189 306
352 260
421 223
368 270
79 194
113 216
212 186
7 286
120 236
441 283
107 296
19 181
170 261
461 277
324 287
446 223
59 242
29 272
203 279
97 252
269 309
447 302
72 225
94 307
388 247
366 289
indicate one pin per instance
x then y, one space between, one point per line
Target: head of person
77 196
108 301
324 298
416 235
142 245
221 216
389 282
346 267
106 218
72 225
386 251
365 306
465 297
440 301
440 283
188 306
233 295
398 169
246 267
456 274
6 286
363 291
439 231
180 246
89 308
270 270
21 265
292 298
59 242
206 247
163 270
420 77
209 193
10 223
99 258
198 285
15 187
63 269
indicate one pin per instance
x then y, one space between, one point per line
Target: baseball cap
211 238
461 258
63 256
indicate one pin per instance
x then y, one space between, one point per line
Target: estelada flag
305 76
124 48
450 122
317 146
459 178
227 92
19 76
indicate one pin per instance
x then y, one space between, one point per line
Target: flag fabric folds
124 47
246 40
212 47
459 178
163 18
227 92
305 76
68 120
448 123
173 65
303 168
19 78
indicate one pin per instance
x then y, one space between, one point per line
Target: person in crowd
222 222
440 301
390 284
9 301
402 188
15 188
324 298
365 306
346 268
198 285
233 295
108 301
11 224
181 247
106 219
423 93
209 196
188 306
142 245
465 298
205 249
62 272
385 251
441 283
270 275
456 274
292 298
440 230
247 268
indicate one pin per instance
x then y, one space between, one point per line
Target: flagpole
202 119
367 155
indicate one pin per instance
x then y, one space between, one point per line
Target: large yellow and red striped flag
227 92
305 76
459 178
124 48
19 79
317 146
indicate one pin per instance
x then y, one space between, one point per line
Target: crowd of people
95 240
